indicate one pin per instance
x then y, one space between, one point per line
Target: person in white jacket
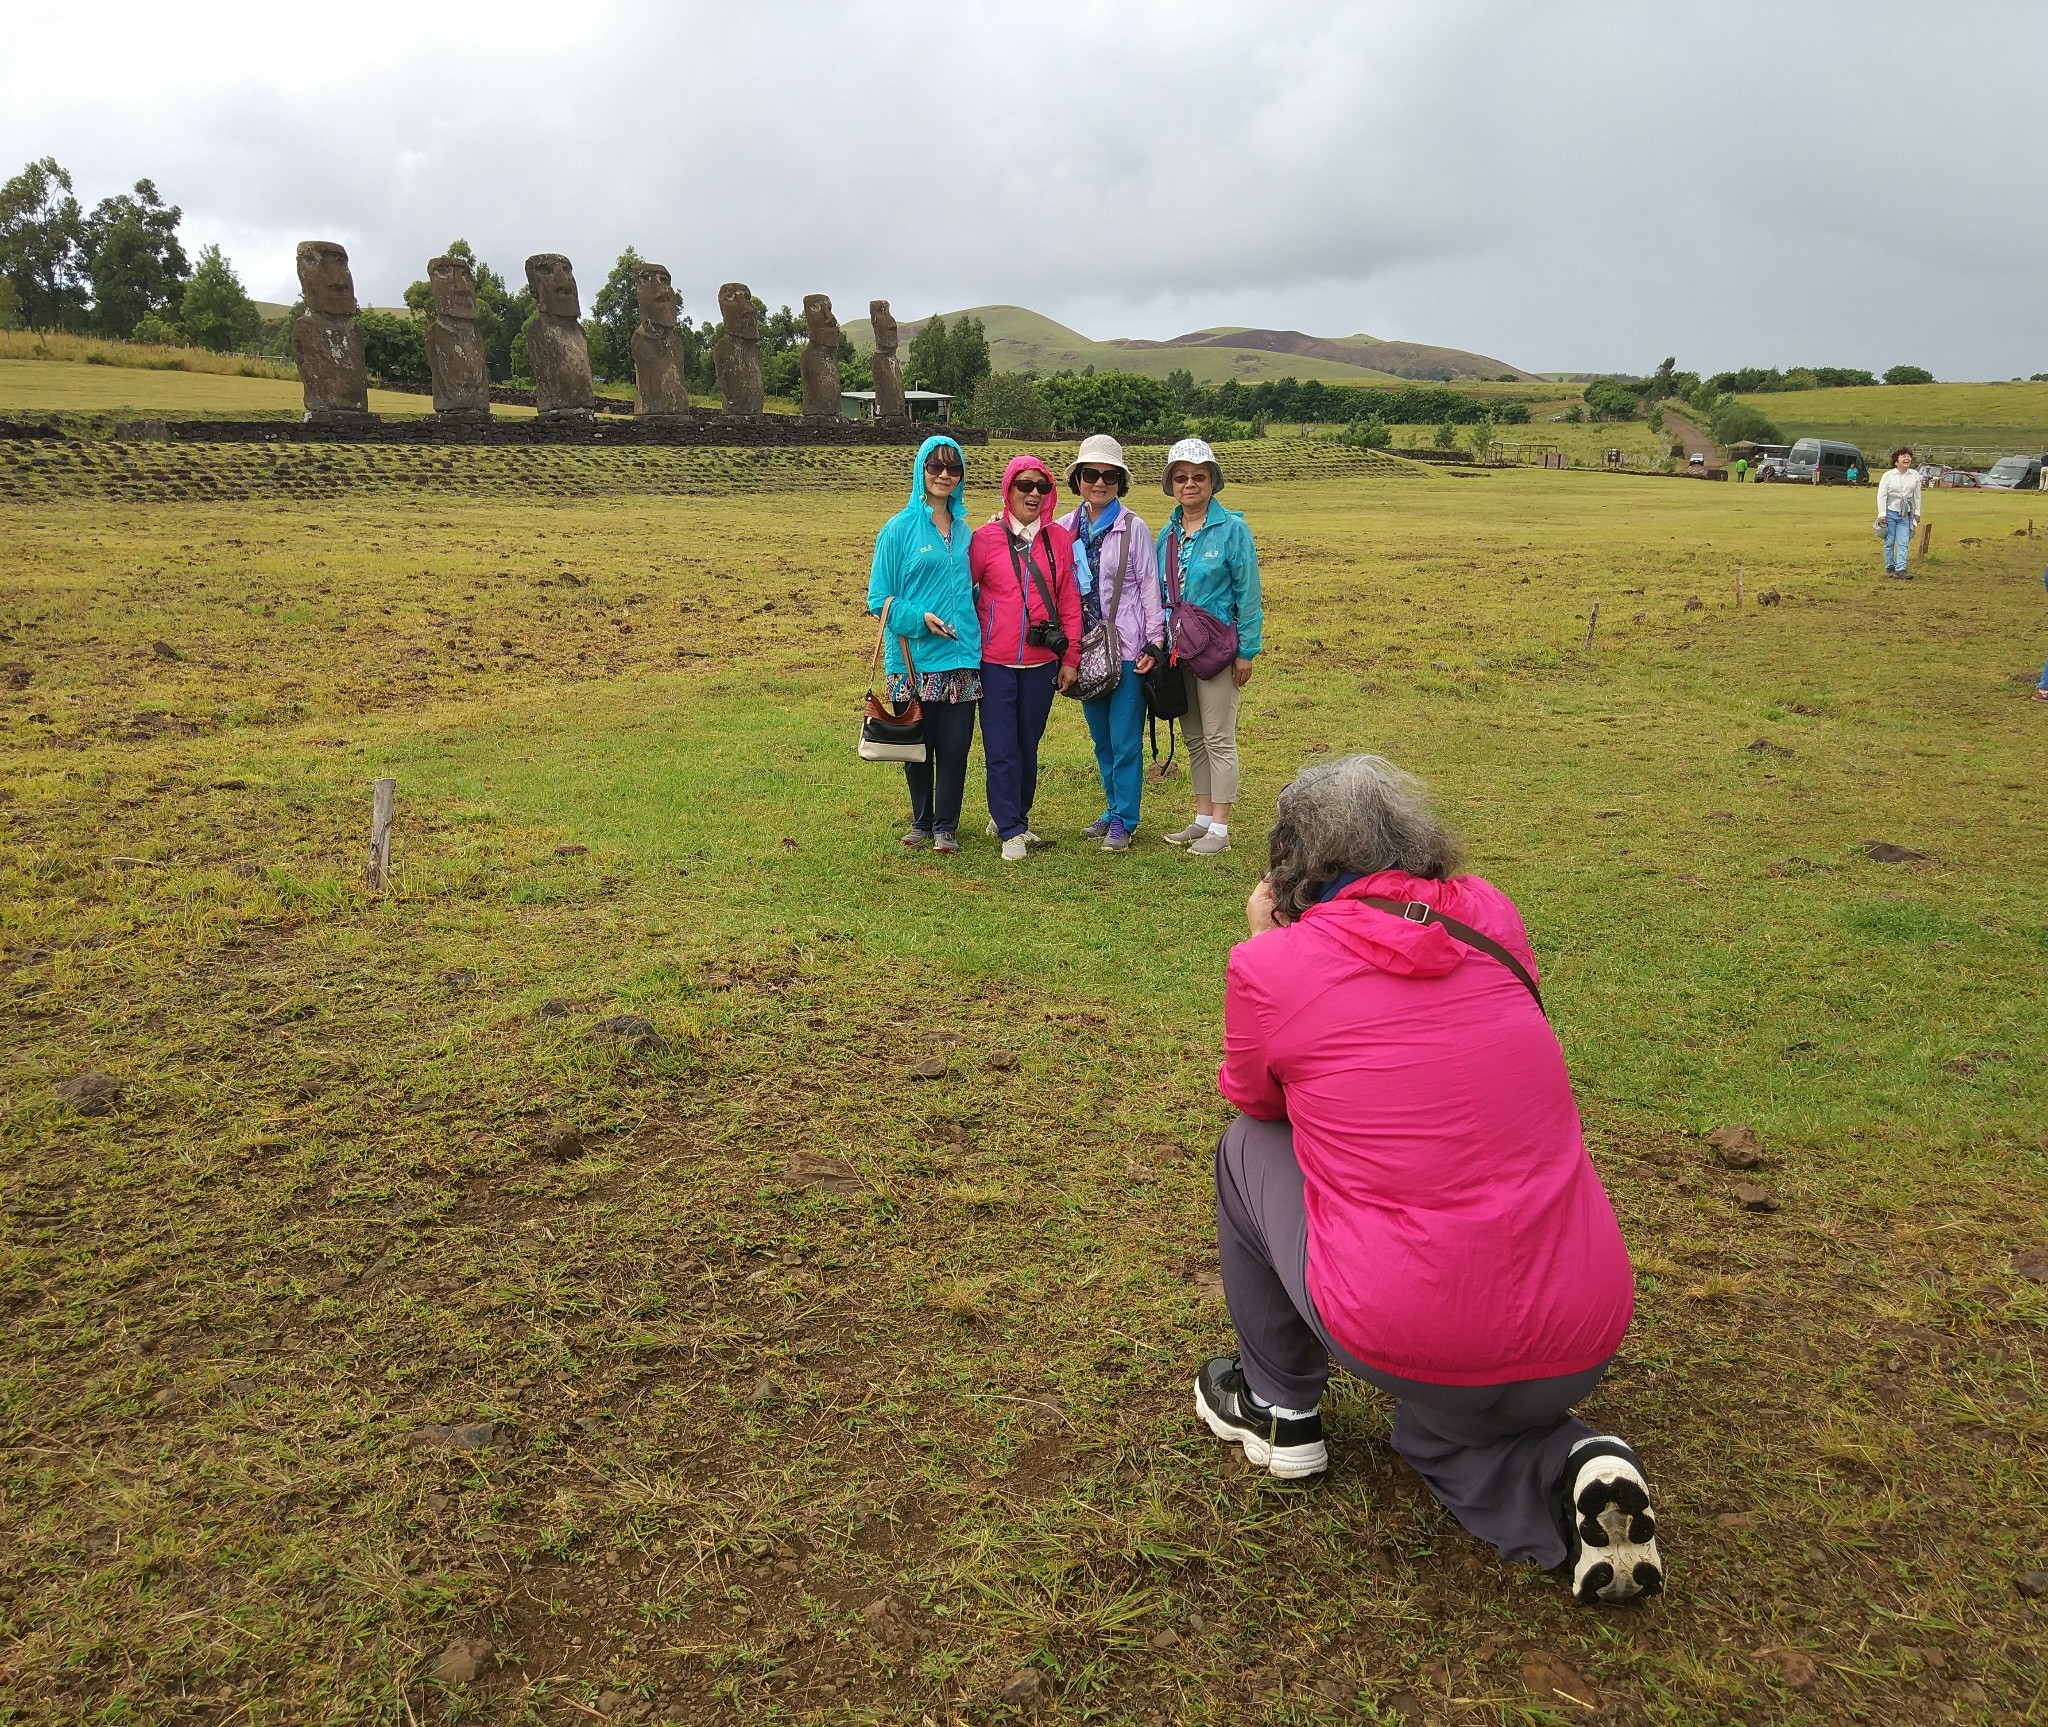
1898 511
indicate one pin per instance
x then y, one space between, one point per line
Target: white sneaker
1186 836
1614 1532
1031 839
992 830
1209 845
1014 850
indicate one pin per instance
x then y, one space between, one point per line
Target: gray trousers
1493 1455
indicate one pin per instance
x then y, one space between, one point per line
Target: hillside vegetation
1983 417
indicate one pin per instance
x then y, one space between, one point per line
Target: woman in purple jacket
1116 568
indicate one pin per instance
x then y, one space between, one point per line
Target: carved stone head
736 308
454 287
554 285
884 322
324 278
819 324
659 304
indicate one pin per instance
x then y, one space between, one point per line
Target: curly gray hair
1356 815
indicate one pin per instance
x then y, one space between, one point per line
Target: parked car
2015 474
1769 468
1698 459
1824 462
1954 477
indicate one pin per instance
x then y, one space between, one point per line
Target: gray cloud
1565 186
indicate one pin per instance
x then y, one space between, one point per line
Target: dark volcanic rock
629 1031
91 1092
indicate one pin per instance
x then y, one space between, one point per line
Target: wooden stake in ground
1592 618
1738 587
1926 534
383 804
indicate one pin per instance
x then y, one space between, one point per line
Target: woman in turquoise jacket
1210 551
920 573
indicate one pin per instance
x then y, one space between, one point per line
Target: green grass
1983 418
797 1334
28 386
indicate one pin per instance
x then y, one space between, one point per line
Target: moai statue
821 359
325 341
888 369
455 349
737 353
661 394
555 348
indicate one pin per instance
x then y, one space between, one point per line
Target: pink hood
1030 464
1393 944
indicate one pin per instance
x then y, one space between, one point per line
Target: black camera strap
1052 615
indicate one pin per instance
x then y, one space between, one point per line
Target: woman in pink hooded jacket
1408 1192
1023 569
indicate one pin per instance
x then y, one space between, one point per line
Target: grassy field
2005 418
395 1303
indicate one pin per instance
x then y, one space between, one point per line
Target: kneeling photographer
1030 609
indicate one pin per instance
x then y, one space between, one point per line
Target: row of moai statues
329 348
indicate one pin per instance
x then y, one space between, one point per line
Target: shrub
1447 436
1735 421
155 332
394 346
1909 375
1368 435
1008 402
1610 399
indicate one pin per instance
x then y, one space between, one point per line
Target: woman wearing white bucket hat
1214 622
1117 571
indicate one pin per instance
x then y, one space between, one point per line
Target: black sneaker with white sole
1612 1529
1290 1449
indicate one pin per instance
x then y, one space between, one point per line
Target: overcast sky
1566 187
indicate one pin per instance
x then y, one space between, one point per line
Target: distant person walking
1116 569
2041 689
921 563
1898 511
1023 569
1741 469
1215 622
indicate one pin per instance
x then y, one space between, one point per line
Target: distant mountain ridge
1023 340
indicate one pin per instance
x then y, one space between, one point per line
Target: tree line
118 269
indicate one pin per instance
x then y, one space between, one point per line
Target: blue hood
958 502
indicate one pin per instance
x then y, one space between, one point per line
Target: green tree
156 332
1368 434
1611 399
1909 375
1482 438
135 263
10 306
42 233
925 366
1447 436
967 356
1180 383
395 346
1734 422
216 310
614 313
1007 402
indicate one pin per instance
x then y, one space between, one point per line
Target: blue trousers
1898 540
939 782
1016 701
1117 724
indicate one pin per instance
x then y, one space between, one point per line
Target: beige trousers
1211 731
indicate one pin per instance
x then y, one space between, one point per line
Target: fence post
1926 535
383 804
1591 620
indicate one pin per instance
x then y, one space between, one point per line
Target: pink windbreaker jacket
1005 612
1457 1231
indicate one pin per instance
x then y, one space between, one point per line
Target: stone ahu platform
770 430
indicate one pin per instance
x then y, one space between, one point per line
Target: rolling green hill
1023 340
2006 418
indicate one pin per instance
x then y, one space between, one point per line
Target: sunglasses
1190 476
1099 476
1041 487
940 466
